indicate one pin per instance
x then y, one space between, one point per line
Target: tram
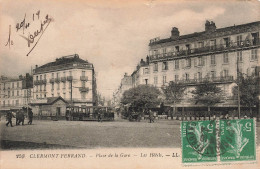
89 113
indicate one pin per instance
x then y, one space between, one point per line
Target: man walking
151 118
30 116
9 116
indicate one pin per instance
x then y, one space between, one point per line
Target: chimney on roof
147 59
210 26
36 66
175 33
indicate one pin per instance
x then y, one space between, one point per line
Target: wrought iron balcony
207 49
226 79
63 79
52 80
83 89
44 81
69 78
83 78
57 80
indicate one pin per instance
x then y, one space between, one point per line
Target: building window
201 44
64 95
83 73
226 42
83 95
40 77
45 87
36 77
201 61
52 86
213 44
52 75
225 73
45 76
58 86
17 102
64 74
164 80
213 59
12 85
239 56
176 78
177 64
254 54
188 62
40 87
155 67
225 57
12 93
187 76
146 70
17 84
155 80
239 40
57 75
177 48
64 85
213 74
83 83
70 72
165 66
200 75
17 93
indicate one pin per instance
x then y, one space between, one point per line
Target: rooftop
209 34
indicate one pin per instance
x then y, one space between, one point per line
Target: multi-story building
126 83
215 55
15 92
70 77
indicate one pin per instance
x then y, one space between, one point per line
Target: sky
111 34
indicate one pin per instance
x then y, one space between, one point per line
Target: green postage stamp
218 141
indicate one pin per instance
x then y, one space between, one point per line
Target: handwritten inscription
34 36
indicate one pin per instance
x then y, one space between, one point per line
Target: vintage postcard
138 84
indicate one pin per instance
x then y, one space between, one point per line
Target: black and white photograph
129 84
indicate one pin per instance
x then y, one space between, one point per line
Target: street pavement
92 134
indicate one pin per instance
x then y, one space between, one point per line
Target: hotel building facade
68 77
213 55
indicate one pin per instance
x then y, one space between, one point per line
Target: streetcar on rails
89 113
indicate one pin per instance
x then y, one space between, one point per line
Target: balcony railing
69 78
83 89
83 78
37 82
206 49
52 80
57 80
225 79
44 81
63 79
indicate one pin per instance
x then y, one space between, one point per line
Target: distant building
68 77
15 92
126 83
213 55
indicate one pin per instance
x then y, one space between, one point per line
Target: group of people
19 115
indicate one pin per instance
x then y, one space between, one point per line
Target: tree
173 93
208 94
100 100
248 92
141 97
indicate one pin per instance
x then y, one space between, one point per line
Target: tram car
89 113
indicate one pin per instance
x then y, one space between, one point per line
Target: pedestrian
9 117
151 116
30 116
99 115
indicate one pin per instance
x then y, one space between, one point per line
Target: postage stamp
218 141
198 141
237 140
